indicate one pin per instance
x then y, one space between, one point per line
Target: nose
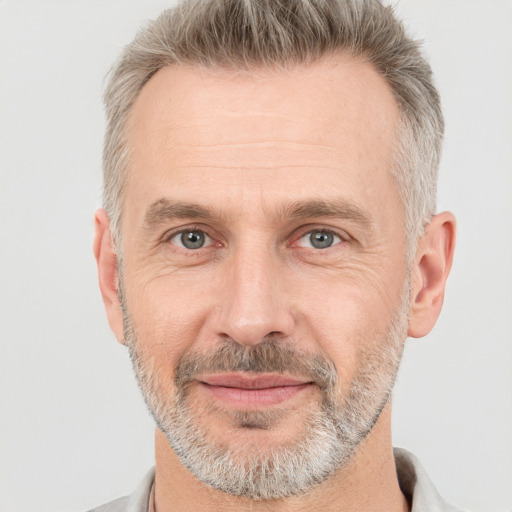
253 301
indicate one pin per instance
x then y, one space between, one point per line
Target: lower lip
247 398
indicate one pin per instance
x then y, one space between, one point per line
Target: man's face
264 273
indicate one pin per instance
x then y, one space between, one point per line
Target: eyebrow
164 209
333 209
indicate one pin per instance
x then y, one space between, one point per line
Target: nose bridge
254 301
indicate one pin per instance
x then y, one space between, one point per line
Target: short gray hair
246 34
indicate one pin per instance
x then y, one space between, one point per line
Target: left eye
191 239
319 239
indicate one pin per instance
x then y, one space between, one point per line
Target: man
268 242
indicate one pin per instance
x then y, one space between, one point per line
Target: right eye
191 239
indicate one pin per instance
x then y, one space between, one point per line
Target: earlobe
108 275
431 267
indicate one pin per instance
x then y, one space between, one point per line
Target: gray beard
331 432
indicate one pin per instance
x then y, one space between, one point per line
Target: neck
368 483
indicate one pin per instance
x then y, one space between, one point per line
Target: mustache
269 356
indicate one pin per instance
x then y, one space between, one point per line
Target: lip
245 391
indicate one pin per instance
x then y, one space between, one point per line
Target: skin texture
256 155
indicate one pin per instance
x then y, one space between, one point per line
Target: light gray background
74 431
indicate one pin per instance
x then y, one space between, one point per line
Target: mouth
252 392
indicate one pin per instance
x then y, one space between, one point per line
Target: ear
108 275
430 271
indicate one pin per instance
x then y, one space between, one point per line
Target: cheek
169 315
347 319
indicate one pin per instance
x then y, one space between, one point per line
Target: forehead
322 125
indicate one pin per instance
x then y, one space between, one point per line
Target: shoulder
138 501
119 505
417 486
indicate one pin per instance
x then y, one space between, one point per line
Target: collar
417 486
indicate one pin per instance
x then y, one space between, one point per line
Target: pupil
321 239
192 239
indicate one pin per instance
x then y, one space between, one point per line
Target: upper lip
265 381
